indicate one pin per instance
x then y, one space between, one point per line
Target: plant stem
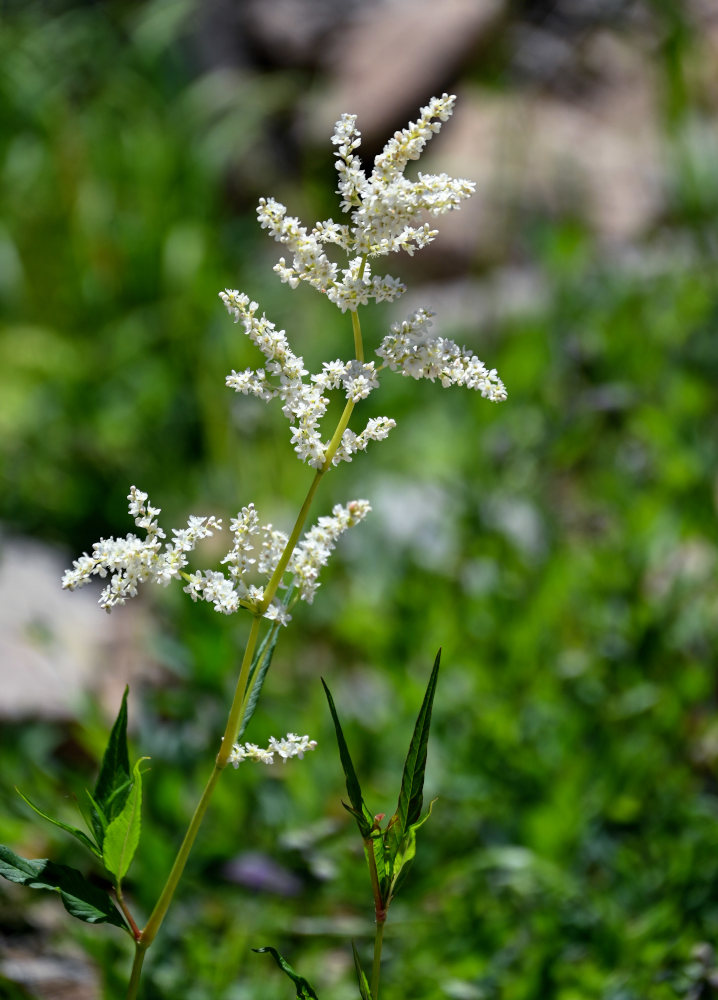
376 965
136 933
162 905
234 718
136 973
236 711
358 345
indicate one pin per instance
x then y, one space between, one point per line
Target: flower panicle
289 746
250 563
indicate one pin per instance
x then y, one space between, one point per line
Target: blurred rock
56 646
394 56
293 32
50 977
600 161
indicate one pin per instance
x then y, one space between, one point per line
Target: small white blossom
289 746
132 560
315 548
411 349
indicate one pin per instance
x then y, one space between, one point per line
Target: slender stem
271 589
376 965
136 973
234 718
358 345
136 933
162 905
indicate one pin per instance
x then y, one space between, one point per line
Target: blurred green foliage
561 547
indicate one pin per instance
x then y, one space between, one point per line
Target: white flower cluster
291 746
413 351
385 216
132 560
304 402
257 550
255 553
385 211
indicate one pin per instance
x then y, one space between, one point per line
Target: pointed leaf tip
114 780
304 989
364 991
358 808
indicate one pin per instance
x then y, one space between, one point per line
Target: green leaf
114 779
303 988
258 671
358 809
123 833
411 797
79 834
364 991
79 897
404 855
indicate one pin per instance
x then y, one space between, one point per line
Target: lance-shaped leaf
303 988
411 793
404 855
364 991
123 834
113 783
79 897
358 809
79 834
258 672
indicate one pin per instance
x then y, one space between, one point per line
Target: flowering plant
266 571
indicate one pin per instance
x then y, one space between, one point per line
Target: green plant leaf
303 988
411 795
258 672
79 834
404 855
358 809
364 991
79 897
123 834
114 780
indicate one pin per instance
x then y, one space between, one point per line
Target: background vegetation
561 547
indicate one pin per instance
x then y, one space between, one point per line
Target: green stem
162 905
358 345
236 710
234 718
376 965
136 973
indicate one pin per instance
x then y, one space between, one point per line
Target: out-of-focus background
561 547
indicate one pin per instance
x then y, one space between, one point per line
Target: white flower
315 548
132 560
411 349
289 746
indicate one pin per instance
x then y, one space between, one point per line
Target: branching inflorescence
266 570
386 215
